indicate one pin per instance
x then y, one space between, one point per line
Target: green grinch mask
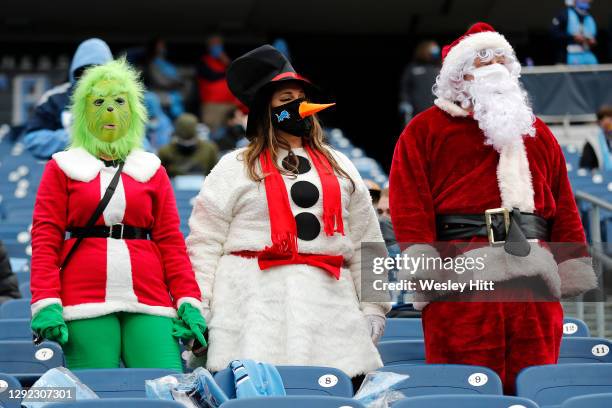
108 111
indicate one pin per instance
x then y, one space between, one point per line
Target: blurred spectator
374 189
159 126
48 129
386 227
418 78
187 153
215 97
598 156
227 136
574 31
9 287
281 45
163 78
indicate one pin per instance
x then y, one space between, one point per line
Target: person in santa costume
111 290
481 148
276 232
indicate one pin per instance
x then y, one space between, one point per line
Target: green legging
140 340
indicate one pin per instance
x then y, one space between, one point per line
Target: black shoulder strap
108 194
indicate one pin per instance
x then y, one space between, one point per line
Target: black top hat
251 74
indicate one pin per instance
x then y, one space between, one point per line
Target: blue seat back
9 383
26 361
120 382
15 309
438 379
118 403
395 352
24 288
585 350
294 401
589 401
465 401
403 329
300 380
552 384
573 327
15 329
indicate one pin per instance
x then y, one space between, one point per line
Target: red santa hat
479 36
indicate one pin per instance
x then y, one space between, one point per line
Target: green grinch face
108 112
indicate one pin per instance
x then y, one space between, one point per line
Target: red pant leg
534 331
465 333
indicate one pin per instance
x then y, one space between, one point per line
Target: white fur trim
41 304
477 41
89 310
577 276
514 178
80 165
141 165
451 108
374 309
192 301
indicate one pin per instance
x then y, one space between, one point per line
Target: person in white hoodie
276 235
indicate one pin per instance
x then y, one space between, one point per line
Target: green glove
190 324
50 324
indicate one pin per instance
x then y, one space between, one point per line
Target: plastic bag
60 385
377 391
194 390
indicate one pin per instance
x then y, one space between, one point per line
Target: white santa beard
502 110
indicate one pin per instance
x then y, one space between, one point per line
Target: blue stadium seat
589 401
15 309
8 383
120 382
440 379
294 402
24 288
585 350
575 328
465 401
23 276
402 352
15 329
26 361
117 403
551 385
299 380
403 329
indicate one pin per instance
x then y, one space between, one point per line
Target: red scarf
282 224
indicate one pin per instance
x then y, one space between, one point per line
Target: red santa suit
108 275
442 165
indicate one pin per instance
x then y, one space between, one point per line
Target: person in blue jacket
46 131
575 32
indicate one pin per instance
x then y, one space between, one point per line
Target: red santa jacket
108 275
441 165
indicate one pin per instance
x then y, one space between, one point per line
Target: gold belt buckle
488 220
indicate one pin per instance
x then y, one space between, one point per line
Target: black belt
116 231
511 228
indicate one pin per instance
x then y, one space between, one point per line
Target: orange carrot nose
307 109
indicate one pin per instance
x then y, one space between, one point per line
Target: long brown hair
266 138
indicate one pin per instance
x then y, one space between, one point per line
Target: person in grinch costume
121 286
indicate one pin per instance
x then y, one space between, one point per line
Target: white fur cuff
192 301
41 304
577 276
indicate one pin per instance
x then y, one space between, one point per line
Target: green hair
128 82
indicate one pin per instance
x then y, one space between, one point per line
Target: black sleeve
205 72
9 287
558 28
588 160
46 116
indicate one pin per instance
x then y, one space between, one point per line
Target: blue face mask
435 51
583 5
216 50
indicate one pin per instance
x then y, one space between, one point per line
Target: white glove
377 326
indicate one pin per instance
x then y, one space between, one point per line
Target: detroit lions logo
282 116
